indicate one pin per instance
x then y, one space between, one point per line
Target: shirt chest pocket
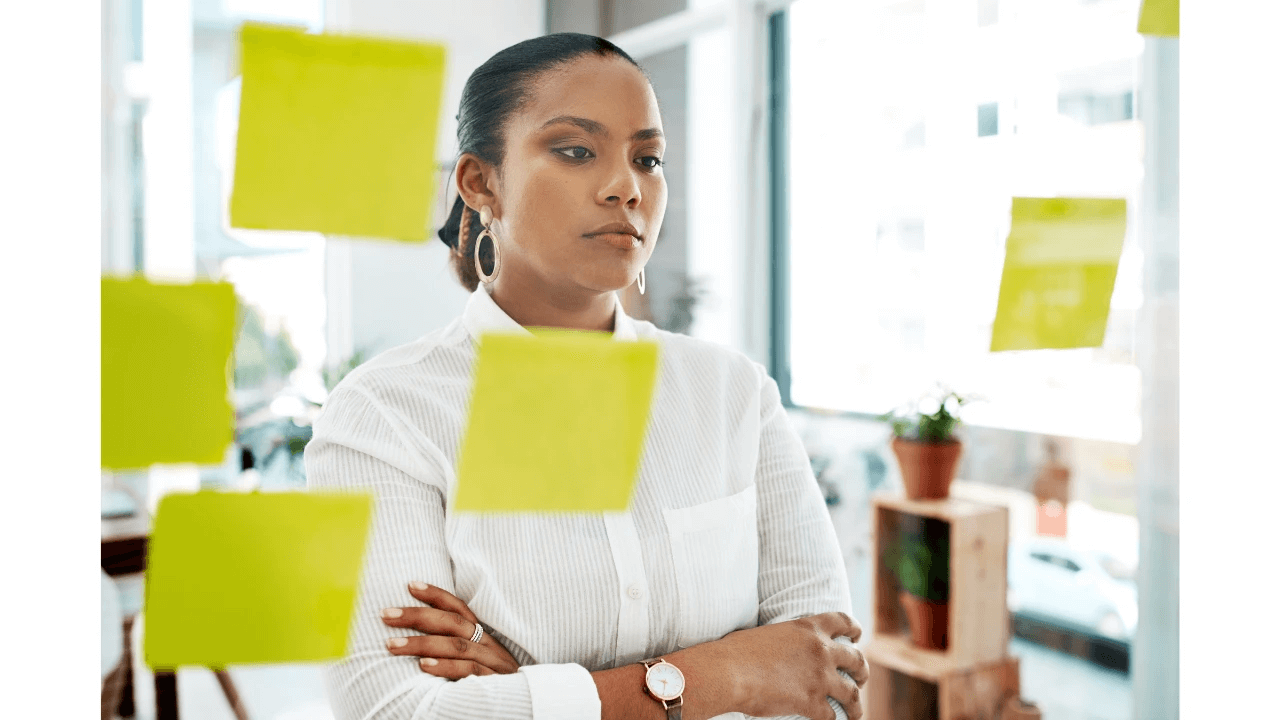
716 555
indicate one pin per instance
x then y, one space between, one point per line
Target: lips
621 235
622 241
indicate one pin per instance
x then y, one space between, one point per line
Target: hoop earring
486 218
640 281
464 229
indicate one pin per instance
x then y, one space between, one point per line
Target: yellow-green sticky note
166 364
1059 271
249 578
557 422
337 133
1159 17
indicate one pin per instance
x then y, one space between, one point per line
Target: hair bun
448 232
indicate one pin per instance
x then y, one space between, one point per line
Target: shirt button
634 592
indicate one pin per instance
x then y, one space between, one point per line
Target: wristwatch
665 683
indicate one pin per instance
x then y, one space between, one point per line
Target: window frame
779 207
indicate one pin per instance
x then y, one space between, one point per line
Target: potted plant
921 560
926 446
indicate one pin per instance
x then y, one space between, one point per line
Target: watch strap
675 707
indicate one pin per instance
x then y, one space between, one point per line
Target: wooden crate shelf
979 620
971 693
897 652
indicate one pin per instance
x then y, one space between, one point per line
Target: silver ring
479 633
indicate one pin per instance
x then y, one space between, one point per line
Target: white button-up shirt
727 529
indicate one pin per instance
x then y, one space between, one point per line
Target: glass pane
280 349
913 124
690 279
711 247
903 164
667 301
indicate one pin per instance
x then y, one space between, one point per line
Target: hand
445 647
789 668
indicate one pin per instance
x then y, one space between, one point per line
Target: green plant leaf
910 422
921 561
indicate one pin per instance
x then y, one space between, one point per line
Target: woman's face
582 162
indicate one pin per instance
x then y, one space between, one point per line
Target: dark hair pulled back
496 90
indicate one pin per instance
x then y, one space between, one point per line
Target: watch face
665 681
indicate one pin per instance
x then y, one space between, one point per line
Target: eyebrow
596 128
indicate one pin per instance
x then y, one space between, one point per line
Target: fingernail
392 612
419 586
430 661
397 642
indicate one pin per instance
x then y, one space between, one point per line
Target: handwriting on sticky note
166 351
248 578
557 422
1060 268
337 134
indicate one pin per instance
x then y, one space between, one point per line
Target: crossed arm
800 656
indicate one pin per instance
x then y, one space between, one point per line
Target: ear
476 181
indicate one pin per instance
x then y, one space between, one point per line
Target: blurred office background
840 179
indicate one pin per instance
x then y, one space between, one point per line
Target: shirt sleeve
362 445
802 570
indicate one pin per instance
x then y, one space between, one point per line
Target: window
913 137
135 30
911 235
988 12
1092 109
1098 94
988 119
910 257
137 184
905 7
863 323
280 352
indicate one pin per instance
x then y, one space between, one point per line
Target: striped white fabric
727 529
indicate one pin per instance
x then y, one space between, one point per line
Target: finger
850 697
453 648
441 623
430 621
838 624
438 597
442 599
852 660
823 711
453 669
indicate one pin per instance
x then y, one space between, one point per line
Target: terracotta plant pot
927 468
927 620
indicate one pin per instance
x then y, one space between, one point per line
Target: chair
112 648
124 555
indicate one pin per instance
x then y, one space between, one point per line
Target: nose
621 187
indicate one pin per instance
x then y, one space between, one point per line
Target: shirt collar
483 315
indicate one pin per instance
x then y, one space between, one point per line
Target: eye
651 161
576 152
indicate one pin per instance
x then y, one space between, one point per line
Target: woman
724 576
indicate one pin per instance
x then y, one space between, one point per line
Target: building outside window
988 119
